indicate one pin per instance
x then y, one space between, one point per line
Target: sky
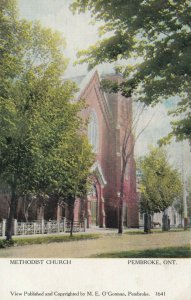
76 29
80 34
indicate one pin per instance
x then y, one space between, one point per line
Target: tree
39 123
71 163
160 184
156 35
63 145
129 138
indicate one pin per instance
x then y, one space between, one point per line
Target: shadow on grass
169 252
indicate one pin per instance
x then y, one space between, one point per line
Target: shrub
5 243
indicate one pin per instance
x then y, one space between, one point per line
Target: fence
42 227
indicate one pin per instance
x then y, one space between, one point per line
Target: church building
109 116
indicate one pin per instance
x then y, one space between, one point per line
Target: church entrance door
94 206
94 211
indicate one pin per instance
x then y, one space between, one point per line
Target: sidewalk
96 230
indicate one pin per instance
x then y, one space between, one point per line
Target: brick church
108 115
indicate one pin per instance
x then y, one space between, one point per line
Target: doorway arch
95 200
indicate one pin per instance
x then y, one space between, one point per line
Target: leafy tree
79 171
39 123
71 162
160 184
156 35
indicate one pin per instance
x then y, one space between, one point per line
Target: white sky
79 34
76 29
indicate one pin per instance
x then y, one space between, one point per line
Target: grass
46 240
157 230
168 252
5 243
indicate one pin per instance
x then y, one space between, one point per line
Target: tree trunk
165 222
26 215
185 223
147 223
71 213
13 206
26 208
120 207
120 217
72 221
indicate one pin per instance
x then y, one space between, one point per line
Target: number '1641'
160 294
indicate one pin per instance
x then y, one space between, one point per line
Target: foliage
5 243
43 148
155 35
160 184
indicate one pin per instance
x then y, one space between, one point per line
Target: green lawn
155 230
169 252
46 239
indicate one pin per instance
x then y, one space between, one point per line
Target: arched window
93 131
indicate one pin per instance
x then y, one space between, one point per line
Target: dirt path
107 243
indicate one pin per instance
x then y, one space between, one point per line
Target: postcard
95 150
